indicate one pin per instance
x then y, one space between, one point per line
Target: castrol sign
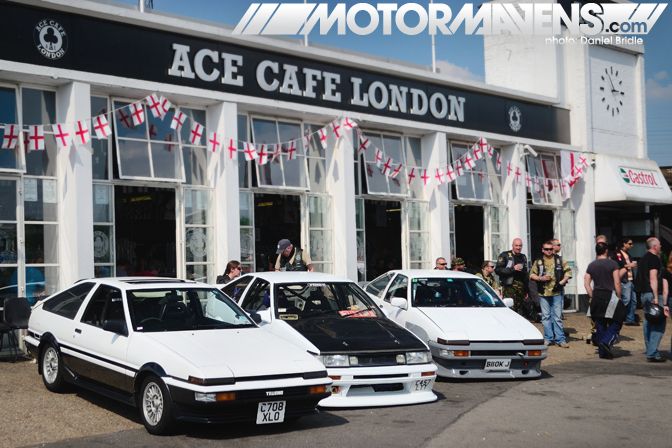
639 177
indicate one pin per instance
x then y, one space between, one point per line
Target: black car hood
349 335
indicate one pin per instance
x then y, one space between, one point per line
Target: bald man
513 275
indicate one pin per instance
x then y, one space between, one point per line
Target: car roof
417 273
297 277
127 283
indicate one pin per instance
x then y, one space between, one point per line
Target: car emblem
272 393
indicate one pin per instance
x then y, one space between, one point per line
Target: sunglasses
443 264
629 244
238 268
547 248
492 267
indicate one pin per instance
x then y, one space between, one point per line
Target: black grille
386 359
375 377
261 393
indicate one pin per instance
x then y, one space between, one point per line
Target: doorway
469 235
540 230
382 221
276 217
145 228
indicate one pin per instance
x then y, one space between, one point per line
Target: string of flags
572 166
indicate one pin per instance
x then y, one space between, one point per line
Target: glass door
199 233
563 229
11 238
416 220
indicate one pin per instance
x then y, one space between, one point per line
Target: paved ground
580 400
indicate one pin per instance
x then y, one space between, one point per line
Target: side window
377 286
105 304
398 288
67 303
259 297
235 289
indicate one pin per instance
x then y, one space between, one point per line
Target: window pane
195 165
246 245
246 208
7 200
270 173
392 148
43 162
133 159
290 131
315 148
7 247
41 282
39 196
320 245
198 245
481 185
375 181
41 243
376 142
197 206
103 271
99 158
102 203
264 131
318 175
8 280
166 162
159 130
417 215
8 114
39 106
413 151
397 184
319 211
103 242
295 171
194 115
125 126
199 272
419 244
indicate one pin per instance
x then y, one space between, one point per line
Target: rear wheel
156 408
52 369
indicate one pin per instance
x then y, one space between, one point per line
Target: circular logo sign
197 243
101 244
50 39
515 119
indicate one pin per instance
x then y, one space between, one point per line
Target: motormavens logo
641 178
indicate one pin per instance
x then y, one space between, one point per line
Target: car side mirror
117 326
399 302
508 302
255 318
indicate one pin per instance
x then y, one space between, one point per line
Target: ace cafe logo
50 38
640 178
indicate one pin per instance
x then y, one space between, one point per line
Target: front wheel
52 369
156 408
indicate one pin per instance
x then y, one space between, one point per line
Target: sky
462 56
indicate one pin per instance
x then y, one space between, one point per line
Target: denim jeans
653 333
629 300
606 331
551 319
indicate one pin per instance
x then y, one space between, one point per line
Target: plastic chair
15 316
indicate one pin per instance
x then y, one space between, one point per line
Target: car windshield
304 300
453 292
177 309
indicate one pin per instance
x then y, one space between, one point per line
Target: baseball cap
282 245
457 262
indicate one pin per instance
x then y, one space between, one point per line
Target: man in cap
292 258
457 265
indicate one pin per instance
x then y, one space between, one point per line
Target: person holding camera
551 273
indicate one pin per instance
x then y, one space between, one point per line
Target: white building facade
151 195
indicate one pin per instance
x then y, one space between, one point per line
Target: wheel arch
46 339
148 369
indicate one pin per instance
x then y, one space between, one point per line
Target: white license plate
497 364
419 385
271 412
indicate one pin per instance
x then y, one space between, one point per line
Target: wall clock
611 89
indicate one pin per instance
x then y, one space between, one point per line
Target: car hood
483 324
245 352
337 334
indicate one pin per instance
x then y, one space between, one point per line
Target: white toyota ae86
471 332
372 360
174 349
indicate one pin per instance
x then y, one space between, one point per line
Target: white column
75 188
435 154
583 200
341 186
222 118
515 197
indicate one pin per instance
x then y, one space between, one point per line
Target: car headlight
417 357
336 361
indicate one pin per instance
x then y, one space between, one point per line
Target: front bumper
381 386
473 366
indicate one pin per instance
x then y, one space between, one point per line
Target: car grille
261 394
368 360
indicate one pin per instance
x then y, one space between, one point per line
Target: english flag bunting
61 135
411 176
468 161
232 149
387 166
478 152
363 146
491 151
36 138
214 142
458 168
154 105
196 133
11 137
290 149
498 164
426 178
323 137
306 143
509 169
250 152
450 173
537 187
263 154
439 176
274 152
124 118
101 126
528 180
137 113
165 106
335 127
178 120
82 134
379 157
518 174
347 124
396 171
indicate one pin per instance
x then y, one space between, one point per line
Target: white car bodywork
353 386
246 361
487 333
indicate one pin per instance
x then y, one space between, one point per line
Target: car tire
51 368
156 406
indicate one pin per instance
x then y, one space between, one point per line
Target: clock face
611 90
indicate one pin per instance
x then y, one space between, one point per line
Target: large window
414 161
281 172
317 160
195 156
376 182
10 159
482 183
320 241
546 169
199 235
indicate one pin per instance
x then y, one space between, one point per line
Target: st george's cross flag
61 135
214 141
250 152
165 106
196 133
36 138
232 149
323 137
11 137
154 104
137 113
262 152
458 168
101 126
450 173
82 134
178 121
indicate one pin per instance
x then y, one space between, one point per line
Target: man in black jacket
513 275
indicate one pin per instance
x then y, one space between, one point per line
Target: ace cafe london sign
638 177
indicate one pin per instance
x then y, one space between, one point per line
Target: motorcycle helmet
654 313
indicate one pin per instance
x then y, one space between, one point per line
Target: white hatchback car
175 349
471 332
372 360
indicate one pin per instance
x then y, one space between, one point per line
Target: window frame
364 163
490 174
19 118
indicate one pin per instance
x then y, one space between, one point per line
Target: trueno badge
515 118
50 38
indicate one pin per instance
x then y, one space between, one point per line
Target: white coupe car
175 349
372 360
471 332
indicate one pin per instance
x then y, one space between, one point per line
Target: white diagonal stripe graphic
248 15
288 18
259 20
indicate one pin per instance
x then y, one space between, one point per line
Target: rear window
67 303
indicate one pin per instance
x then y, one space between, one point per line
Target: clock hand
613 89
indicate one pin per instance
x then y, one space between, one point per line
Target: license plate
497 364
271 412
419 385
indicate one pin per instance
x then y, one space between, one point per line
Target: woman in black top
233 270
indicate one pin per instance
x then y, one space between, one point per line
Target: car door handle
78 331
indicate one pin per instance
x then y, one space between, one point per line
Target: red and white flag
509 169
124 118
426 178
439 176
498 164
478 152
82 134
165 106
335 127
458 168
359 133
61 135
483 145
262 152
290 149
214 142
468 161
578 171
347 124
387 166
564 188
101 126
11 137
396 171
36 138
491 151
379 157
178 121
250 152
450 173
528 180
154 104
274 152
583 161
323 137
306 143
153 132
169 138
363 146
196 133
233 149
137 113
555 185
411 176
518 174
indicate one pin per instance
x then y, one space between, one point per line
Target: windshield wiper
358 312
